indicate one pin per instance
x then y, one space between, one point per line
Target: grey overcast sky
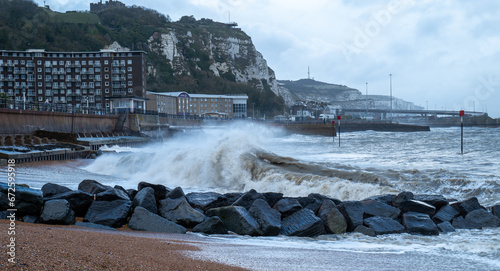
441 54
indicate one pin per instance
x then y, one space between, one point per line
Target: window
40 91
106 83
107 91
129 76
106 62
129 83
130 90
129 61
39 69
129 69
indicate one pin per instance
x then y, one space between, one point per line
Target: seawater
245 156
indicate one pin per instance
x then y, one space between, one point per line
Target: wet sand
47 247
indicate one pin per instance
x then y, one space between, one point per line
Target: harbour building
198 105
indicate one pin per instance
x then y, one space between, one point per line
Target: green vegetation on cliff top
24 25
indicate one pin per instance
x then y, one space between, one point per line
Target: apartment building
199 105
100 81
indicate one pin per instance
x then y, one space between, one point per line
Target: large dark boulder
28 201
378 208
364 230
51 189
302 223
417 207
446 213
57 211
467 206
353 213
92 187
268 218
323 197
206 200
386 198
176 193
109 213
231 198
78 200
131 193
332 218
247 199
482 219
419 223
384 225
401 197
112 194
310 203
459 222
144 220
445 227
437 201
161 191
496 210
146 199
287 206
179 211
236 219
272 197
213 225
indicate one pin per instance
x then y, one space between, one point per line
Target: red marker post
338 118
461 114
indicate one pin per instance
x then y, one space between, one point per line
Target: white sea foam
226 159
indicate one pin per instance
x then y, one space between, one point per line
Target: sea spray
231 159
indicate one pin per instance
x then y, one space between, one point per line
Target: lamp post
253 111
367 102
390 82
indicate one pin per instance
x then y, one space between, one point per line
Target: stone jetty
156 208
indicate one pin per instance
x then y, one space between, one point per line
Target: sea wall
156 208
13 121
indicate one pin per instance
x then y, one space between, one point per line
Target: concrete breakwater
156 208
327 129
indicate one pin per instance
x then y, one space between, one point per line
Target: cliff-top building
96 7
105 80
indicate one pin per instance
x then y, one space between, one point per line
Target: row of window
68 84
40 54
50 92
49 63
68 70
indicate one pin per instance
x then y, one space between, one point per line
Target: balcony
73 80
73 65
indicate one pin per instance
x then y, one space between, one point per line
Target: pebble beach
48 247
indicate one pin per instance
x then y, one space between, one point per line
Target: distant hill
311 90
197 56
